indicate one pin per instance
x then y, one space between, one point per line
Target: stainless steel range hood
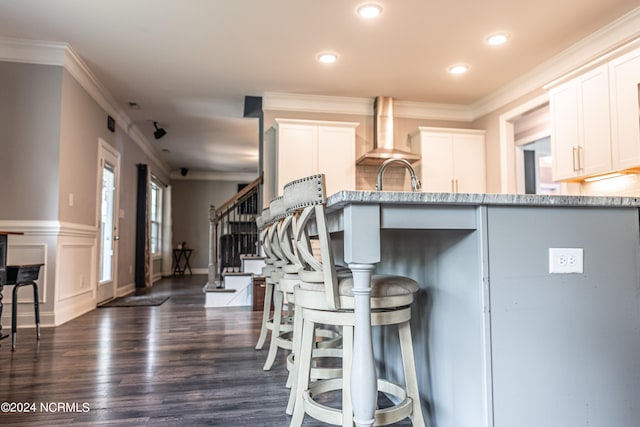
383 142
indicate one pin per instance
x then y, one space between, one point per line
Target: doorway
108 192
537 164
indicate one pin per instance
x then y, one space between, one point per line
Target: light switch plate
566 260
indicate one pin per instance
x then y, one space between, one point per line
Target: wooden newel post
213 247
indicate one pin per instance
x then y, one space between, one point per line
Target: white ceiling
190 63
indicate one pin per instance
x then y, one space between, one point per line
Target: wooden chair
323 297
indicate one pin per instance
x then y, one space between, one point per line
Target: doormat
136 301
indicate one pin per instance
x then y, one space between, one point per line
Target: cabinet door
563 108
437 162
296 153
337 157
595 124
625 122
469 164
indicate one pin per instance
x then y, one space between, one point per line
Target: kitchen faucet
415 182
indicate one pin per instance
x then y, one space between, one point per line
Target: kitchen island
499 340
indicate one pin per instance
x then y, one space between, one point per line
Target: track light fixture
159 132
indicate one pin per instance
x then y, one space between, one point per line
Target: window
155 217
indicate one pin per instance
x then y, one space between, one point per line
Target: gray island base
499 340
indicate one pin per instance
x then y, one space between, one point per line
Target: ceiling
189 64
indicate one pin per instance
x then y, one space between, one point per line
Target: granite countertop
405 197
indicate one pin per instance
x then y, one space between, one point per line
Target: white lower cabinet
299 148
452 160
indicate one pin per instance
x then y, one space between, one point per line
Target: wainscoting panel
36 245
76 274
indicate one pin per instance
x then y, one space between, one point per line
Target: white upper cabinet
306 147
452 160
624 74
581 126
595 124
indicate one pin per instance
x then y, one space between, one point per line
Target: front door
108 222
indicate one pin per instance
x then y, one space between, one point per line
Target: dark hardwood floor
177 364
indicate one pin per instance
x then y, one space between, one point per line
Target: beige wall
50 129
83 124
190 204
81 121
30 106
491 124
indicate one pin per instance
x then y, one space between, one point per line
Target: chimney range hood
383 142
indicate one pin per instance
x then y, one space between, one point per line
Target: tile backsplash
625 185
393 179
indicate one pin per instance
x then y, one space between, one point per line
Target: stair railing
233 231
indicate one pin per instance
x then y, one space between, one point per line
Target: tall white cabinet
452 160
298 148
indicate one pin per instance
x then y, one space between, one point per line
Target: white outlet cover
566 260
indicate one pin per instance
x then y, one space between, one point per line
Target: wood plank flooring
177 364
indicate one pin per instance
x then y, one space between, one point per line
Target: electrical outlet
566 260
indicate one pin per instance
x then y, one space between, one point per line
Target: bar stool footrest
327 414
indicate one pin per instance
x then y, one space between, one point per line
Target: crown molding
63 55
362 106
32 52
316 122
317 103
213 176
432 111
613 39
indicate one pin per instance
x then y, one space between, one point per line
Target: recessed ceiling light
327 58
369 11
498 39
458 69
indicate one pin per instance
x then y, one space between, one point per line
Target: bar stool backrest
277 211
265 219
306 199
287 244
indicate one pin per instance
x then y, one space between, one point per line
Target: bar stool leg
36 308
275 332
410 377
266 314
14 315
14 311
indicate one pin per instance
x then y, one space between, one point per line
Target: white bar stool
323 297
282 326
262 222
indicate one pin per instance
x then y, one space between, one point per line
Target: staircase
234 256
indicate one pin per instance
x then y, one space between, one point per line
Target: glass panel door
107 219
107 223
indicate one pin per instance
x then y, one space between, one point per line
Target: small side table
181 261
